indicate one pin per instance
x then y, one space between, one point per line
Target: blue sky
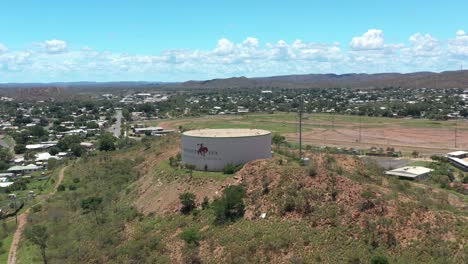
46 41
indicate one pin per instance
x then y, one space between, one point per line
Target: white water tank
213 149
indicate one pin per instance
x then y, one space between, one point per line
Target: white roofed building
410 172
458 154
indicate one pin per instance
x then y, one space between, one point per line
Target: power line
456 132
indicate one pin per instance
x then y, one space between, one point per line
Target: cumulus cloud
458 47
225 46
250 42
371 40
55 46
55 61
3 48
424 45
281 51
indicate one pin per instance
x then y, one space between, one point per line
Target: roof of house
22 168
5 184
409 171
459 161
44 156
39 146
457 153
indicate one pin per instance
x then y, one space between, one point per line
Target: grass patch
8 230
196 175
420 163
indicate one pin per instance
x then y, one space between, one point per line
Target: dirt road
23 219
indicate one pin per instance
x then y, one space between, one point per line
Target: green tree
5 154
187 200
278 140
107 142
38 131
66 143
52 163
38 235
54 151
20 148
92 125
77 149
91 204
4 165
231 205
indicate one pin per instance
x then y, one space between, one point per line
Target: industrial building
410 172
213 149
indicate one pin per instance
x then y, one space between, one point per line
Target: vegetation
188 202
230 206
231 168
306 216
191 236
38 235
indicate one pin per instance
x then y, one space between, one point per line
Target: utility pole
360 128
300 128
456 132
333 121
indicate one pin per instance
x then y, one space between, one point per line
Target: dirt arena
407 135
424 140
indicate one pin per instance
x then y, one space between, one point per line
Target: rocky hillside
336 210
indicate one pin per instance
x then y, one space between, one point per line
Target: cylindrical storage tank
213 149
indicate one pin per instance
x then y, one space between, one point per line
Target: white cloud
250 43
225 46
424 45
55 61
282 51
458 47
55 46
3 48
371 40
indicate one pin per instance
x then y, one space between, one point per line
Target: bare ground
424 140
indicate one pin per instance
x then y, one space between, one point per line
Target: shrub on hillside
191 236
379 260
312 169
188 202
465 179
206 203
231 205
289 205
231 168
61 188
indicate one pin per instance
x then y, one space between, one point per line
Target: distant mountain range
448 79
125 84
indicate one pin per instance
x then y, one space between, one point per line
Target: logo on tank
202 150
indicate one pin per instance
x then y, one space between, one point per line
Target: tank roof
226 133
